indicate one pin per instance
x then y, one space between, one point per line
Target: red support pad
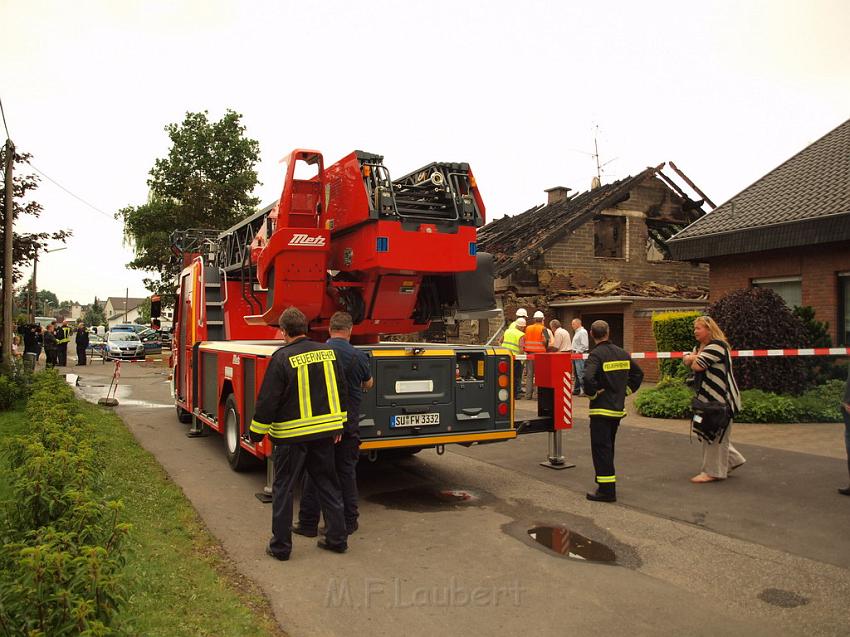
555 371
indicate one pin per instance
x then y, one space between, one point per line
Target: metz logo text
306 240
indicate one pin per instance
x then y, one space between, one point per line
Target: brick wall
574 254
816 265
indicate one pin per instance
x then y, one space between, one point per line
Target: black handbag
711 418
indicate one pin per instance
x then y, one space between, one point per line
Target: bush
61 543
822 404
819 369
671 398
674 332
761 406
15 384
759 319
8 393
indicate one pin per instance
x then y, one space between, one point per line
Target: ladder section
213 304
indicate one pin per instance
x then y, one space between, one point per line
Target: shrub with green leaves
61 542
674 332
762 406
670 398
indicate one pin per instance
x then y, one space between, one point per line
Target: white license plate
414 420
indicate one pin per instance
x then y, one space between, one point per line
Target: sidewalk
819 439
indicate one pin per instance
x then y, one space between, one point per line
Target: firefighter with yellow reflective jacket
609 375
302 408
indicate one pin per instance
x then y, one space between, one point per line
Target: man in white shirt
580 346
560 337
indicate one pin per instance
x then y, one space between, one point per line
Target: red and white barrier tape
736 353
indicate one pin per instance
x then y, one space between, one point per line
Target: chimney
595 183
557 194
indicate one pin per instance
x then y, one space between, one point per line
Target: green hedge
61 542
671 398
674 332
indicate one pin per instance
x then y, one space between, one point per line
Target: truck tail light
503 381
503 367
502 409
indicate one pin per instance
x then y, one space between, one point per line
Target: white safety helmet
538 314
520 322
522 312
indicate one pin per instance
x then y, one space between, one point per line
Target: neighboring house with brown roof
119 309
601 254
789 231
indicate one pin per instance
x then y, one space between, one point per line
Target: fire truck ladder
234 254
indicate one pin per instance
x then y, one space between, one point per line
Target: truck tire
238 457
183 416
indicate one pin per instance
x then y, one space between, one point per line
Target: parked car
123 346
96 345
129 327
150 339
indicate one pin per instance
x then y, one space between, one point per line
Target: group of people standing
522 337
609 374
309 406
54 339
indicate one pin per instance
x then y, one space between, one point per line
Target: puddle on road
426 498
95 391
782 598
570 544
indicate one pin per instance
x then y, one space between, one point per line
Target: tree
42 299
144 317
24 244
205 182
95 315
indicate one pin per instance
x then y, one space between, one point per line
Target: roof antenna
597 181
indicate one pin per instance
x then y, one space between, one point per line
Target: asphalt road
444 544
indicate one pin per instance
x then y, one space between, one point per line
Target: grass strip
178 578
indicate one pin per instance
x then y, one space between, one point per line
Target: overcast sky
727 90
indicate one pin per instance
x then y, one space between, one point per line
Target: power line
92 206
3 111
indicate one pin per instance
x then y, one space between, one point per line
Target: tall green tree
95 315
42 297
205 182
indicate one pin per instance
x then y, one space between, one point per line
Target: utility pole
126 302
32 285
7 254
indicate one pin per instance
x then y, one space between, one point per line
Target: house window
609 237
844 308
790 288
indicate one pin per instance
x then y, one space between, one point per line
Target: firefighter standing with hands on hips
302 408
609 375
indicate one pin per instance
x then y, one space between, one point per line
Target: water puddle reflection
570 544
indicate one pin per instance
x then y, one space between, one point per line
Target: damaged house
601 254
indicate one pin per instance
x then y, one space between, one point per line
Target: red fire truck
396 254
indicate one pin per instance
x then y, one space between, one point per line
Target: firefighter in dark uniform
609 375
302 408
63 337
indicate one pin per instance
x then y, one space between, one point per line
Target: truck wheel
183 416
240 459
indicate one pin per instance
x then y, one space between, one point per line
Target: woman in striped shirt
709 359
